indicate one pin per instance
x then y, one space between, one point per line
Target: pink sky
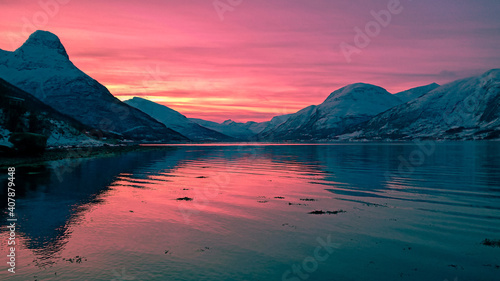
265 57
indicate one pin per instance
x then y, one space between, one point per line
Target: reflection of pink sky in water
225 204
228 230
228 189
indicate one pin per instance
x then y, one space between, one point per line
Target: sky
252 60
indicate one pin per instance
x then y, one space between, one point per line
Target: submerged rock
321 212
491 243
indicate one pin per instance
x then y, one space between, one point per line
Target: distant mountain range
203 130
53 89
466 109
176 121
243 131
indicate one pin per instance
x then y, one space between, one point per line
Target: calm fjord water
411 213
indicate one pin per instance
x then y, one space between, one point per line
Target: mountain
346 107
273 123
42 68
417 92
21 112
176 121
240 131
464 109
243 131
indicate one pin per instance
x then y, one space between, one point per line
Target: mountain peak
44 41
227 122
355 90
139 99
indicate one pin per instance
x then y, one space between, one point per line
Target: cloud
284 51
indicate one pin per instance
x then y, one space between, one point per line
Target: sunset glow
262 58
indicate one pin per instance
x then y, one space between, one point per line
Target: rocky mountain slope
42 68
21 112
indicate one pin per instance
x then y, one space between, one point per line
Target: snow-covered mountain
243 131
42 68
464 109
273 123
345 107
240 131
417 92
22 112
176 121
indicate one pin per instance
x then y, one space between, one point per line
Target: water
411 213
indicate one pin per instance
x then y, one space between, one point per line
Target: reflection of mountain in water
376 170
372 170
46 205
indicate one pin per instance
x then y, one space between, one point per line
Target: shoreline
77 152
55 154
